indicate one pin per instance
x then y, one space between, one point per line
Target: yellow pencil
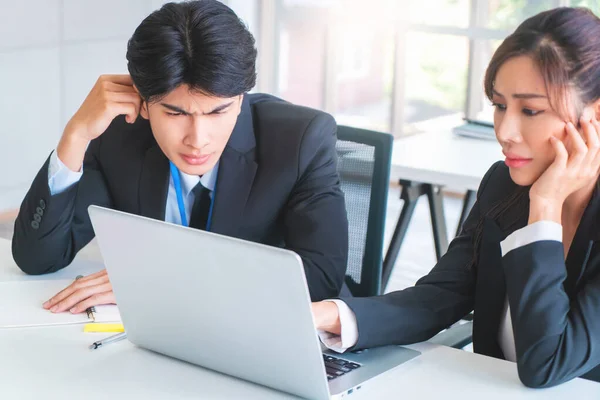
97 327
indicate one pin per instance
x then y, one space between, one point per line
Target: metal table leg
438 219
411 191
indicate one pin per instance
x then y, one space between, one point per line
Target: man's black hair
201 43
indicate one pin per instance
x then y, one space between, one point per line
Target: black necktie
201 207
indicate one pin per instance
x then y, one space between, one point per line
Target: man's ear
239 111
144 110
143 105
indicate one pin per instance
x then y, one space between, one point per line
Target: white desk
54 363
443 158
423 164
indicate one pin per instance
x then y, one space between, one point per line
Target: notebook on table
476 129
21 306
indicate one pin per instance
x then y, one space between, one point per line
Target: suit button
37 218
40 211
42 204
35 225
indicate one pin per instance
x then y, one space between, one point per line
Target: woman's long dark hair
564 43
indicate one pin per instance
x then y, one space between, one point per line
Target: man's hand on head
111 96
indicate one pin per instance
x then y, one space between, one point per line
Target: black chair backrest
364 160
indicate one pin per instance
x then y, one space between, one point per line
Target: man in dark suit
180 140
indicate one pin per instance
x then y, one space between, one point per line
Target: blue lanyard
181 204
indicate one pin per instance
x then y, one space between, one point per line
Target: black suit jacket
555 306
278 185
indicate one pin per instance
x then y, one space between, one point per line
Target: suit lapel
154 184
586 236
236 175
491 291
491 281
237 169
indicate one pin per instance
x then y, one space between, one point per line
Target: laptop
233 306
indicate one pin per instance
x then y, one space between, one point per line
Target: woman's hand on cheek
574 166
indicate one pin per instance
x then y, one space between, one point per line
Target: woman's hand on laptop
326 316
83 293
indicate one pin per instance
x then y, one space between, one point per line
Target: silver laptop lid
230 305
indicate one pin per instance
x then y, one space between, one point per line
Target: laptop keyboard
337 367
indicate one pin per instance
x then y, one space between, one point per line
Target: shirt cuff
60 177
536 232
349 330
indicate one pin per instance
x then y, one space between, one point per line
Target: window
360 93
435 79
394 66
300 41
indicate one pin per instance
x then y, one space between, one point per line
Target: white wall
51 53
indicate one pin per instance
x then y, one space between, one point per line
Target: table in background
424 164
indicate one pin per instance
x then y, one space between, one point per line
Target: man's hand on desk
326 317
83 293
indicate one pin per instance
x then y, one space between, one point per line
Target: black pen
90 310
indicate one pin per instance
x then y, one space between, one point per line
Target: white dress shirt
60 178
539 231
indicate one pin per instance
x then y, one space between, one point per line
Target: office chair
364 160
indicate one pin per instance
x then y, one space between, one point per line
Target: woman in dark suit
528 257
